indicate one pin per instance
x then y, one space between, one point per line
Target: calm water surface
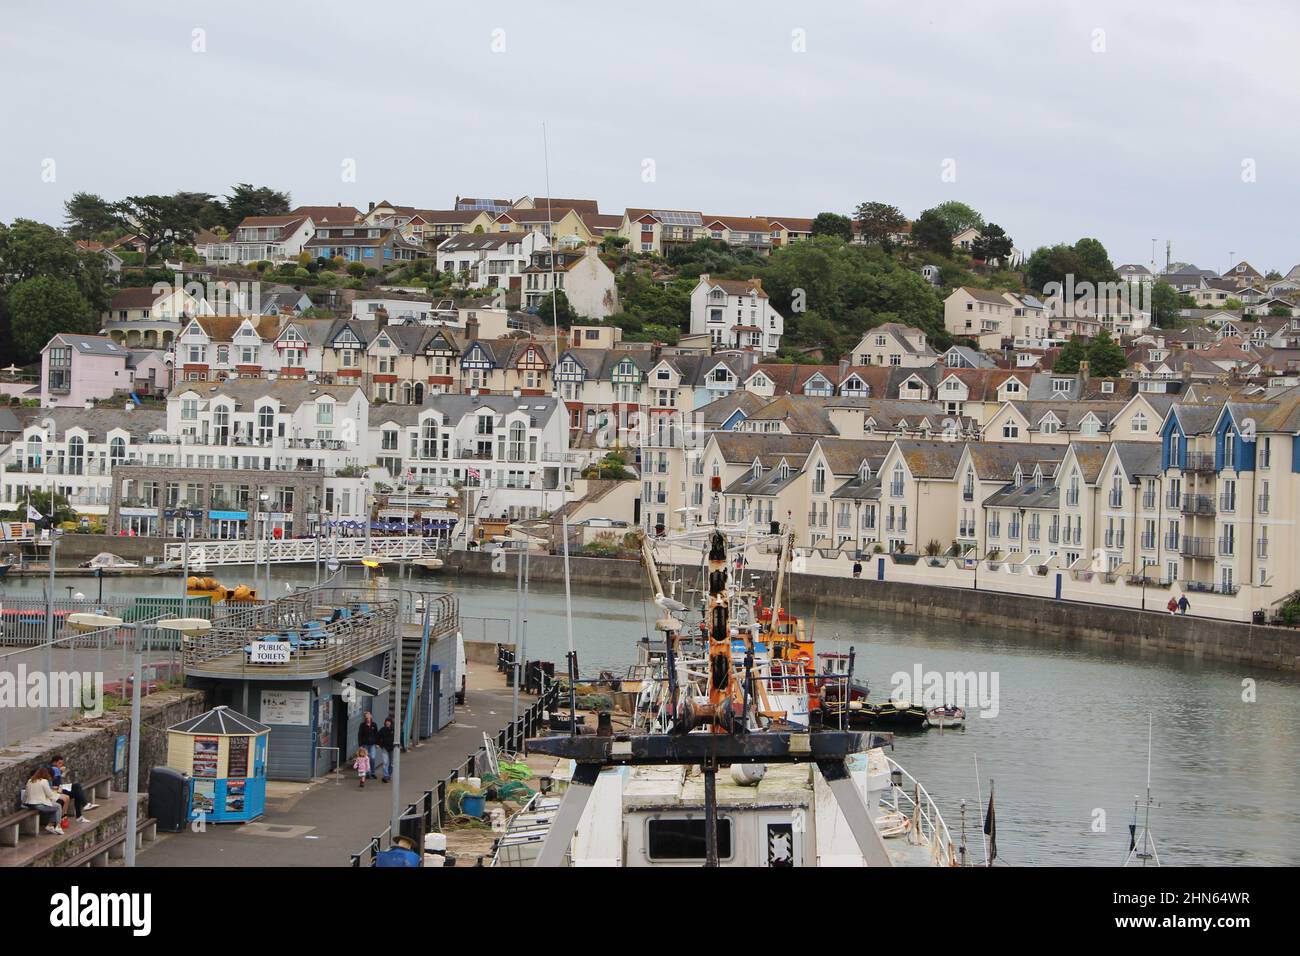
1067 750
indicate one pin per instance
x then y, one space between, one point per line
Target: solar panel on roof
670 217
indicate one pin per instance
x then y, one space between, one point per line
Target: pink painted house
76 369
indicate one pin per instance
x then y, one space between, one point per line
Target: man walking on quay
386 747
1183 605
368 737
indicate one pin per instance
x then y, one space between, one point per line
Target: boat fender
748 774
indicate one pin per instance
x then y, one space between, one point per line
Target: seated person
58 770
39 796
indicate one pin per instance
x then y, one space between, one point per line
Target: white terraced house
301 444
510 453
73 451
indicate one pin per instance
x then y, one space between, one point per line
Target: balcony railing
1071 497
1116 498
1209 587
1193 547
1198 504
1148 541
1227 502
1199 461
895 491
1149 501
1261 547
1227 546
1262 504
1172 541
1171 500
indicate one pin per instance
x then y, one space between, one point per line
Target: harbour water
1067 749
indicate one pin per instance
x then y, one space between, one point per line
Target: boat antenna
555 386
1146 853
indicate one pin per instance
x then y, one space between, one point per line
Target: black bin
1257 617
411 826
169 799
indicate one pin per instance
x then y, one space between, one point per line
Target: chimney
1083 370
704 277
516 393
471 329
844 368
372 208
1187 372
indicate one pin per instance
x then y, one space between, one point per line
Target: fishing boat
947 717
4 567
891 715
717 769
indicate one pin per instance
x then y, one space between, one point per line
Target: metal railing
1197 547
298 550
1199 461
1198 504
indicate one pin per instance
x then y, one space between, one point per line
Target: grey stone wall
88 745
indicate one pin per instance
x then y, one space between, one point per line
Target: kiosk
224 754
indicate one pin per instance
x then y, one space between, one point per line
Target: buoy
748 774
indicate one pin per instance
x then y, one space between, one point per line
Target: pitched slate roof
931 459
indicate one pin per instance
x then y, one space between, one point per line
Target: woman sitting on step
39 796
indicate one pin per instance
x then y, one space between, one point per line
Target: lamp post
265 499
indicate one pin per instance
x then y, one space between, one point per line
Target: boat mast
1147 852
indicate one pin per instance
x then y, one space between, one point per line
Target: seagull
670 605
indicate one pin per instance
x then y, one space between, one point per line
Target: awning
370 684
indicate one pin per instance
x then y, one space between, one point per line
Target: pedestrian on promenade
386 747
76 794
368 737
1172 605
1183 605
362 765
38 795
857 569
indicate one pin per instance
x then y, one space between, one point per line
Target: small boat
4 568
107 562
945 717
893 823
891 715
428 565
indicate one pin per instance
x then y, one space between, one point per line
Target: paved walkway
321 823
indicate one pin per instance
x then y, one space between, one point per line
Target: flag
991 828
34 515
473 473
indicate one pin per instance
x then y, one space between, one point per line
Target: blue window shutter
1218 449
1295 455
1164 453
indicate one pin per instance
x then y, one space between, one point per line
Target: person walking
1183 605
857 569
368 738
386 747
1172 605
361 764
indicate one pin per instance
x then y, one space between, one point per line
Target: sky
1165 120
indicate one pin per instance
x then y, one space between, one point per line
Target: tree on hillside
877 221
1072 353
831 292
156 218
246 200
993 245
564 313
958 216
88 216
29 248
833 224
43 306
1086 260
931 231
204 210
1164 304
1105 356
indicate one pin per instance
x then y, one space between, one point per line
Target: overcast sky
741 108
